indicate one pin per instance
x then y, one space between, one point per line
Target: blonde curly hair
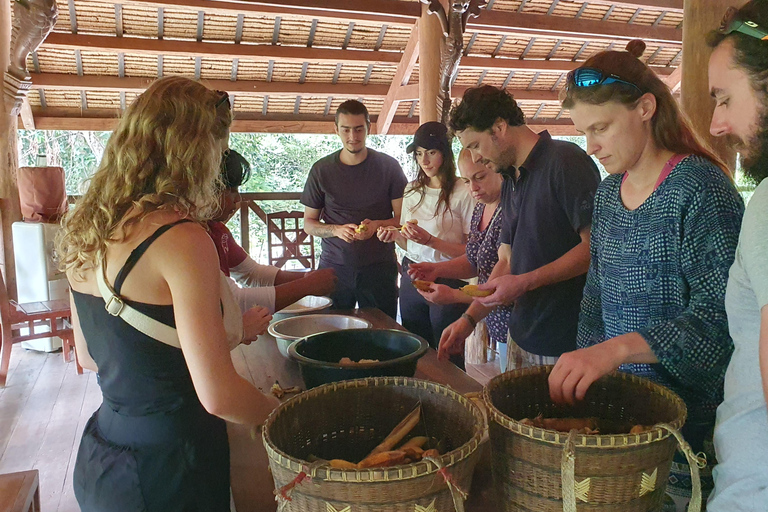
164 154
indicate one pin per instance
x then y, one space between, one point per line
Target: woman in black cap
436 217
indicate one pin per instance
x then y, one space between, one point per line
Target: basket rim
656 434
373 475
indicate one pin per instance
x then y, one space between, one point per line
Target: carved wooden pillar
430 38
699 18
33 20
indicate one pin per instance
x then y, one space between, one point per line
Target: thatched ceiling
289 63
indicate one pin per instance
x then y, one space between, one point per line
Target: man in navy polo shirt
547 197
349 194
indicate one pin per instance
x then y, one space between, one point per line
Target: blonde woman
158 442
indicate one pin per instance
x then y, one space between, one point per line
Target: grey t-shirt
350 194
745 296
741 433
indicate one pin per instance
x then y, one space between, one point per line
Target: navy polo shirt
544 209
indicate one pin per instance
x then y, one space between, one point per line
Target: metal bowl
290 329
318 355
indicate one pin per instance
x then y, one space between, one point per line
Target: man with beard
547 213
738 80
349 194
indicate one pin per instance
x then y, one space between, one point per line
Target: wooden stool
20 492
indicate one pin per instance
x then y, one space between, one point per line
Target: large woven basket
346 420
541 470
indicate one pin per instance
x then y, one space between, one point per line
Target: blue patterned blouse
483 253
661 270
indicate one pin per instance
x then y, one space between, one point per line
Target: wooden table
20 492
262 364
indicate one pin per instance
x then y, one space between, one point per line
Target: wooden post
699 18
10 210
430 38
33 21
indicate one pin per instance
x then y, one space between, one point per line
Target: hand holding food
346 232
422 286
442 294
365 230
388 234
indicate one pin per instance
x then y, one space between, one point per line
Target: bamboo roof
288 64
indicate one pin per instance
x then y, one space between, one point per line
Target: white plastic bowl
308 304
288 330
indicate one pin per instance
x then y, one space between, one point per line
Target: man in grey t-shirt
349 194
737 70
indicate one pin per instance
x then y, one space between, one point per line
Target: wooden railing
250 204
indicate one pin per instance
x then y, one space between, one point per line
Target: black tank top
138 375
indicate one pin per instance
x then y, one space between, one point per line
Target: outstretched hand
575 372
440 294
321 281
453 338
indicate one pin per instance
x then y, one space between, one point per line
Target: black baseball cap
431 135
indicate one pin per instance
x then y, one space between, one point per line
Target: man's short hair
482 106
352 108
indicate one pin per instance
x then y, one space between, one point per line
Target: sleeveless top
138 375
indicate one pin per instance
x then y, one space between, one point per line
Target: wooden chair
41 319
287 240
20 492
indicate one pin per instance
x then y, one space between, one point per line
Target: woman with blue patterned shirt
664 234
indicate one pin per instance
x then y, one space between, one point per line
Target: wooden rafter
656 5
138 84
270 124
410 92
391 12
144 46
674 79
505 22
402 75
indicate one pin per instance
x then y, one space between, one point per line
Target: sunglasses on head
590 77
733 23
224 97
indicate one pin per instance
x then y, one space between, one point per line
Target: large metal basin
318 355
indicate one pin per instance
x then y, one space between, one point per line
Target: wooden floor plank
54 455
18 390
91 402
28 434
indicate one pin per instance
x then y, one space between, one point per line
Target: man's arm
313 226
510 287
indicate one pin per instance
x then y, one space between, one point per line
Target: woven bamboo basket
347 420
541 470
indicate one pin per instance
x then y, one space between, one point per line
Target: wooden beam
540 66
402 75
411 93
264 124
26 115
241 51
408 92
390 12
506 22
138 84
656 5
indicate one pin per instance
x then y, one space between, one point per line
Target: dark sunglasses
733 23
590 77
224 97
